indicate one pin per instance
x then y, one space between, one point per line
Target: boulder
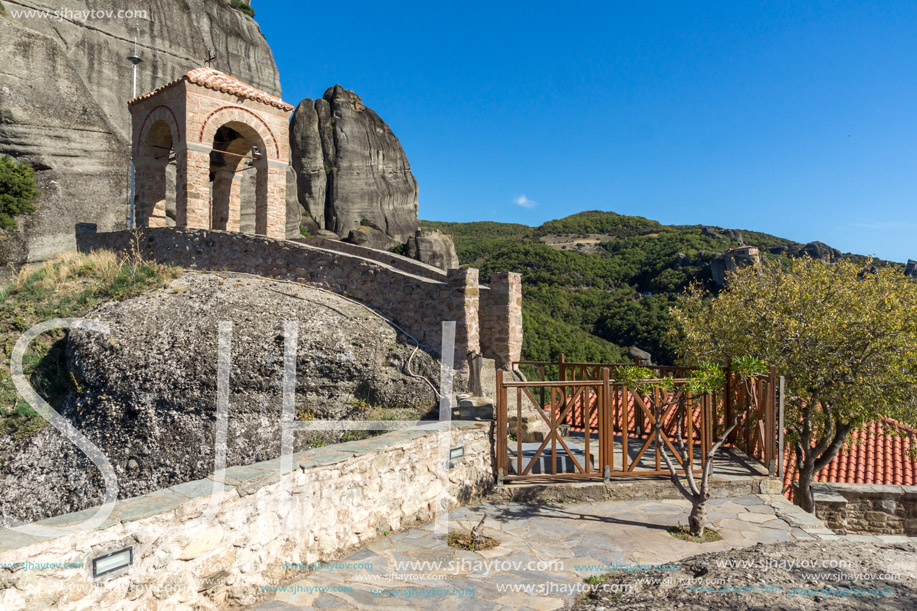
646 359
433 247
148 390
710 232
371 237
62 101
351 168
911 269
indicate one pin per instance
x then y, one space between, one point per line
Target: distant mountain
596 283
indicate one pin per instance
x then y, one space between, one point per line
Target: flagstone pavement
544 554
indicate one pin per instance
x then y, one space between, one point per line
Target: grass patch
471 542
684 533
66 287
595 580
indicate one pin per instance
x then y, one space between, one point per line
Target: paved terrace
545 552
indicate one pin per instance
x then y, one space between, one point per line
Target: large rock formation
814 250
911 269
148 391
64 83
432 247
732 260
351 169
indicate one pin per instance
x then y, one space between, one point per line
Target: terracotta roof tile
220 81
873 455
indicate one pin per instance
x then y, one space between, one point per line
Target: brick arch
160 113
238 115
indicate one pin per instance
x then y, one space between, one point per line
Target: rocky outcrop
351 169
814 250
911 269
148 391
371 237
732 260
64 83
720 233
644 357
433 247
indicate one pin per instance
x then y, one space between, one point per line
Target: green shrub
242 7
65 287
17 191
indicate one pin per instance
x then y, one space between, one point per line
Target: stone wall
869 509
417 304
400 262
337 498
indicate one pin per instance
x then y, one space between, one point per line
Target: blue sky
794 118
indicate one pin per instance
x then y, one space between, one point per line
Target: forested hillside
596 283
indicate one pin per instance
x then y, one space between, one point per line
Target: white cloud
889 225
525 202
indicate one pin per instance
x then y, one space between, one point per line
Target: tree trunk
803 495
697 521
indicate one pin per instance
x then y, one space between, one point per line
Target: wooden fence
610 420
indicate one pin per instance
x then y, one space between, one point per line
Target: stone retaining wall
339 497
400 262
869 509
417 303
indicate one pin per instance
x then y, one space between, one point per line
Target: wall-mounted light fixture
112 562
455 455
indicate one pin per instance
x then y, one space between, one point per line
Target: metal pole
134 59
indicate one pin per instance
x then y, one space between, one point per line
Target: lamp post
134 59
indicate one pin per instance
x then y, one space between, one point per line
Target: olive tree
661 394
844 336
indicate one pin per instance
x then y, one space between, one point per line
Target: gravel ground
839 574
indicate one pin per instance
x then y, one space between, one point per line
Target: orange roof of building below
876 454
212 78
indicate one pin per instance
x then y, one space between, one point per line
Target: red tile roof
873 455
220 81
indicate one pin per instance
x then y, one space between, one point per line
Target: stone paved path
547 549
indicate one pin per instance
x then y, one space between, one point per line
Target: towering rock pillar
353 176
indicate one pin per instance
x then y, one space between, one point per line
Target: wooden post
770 433
625 442
519 429
657 399
727 402
689 414
562 375
606 427
501 430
